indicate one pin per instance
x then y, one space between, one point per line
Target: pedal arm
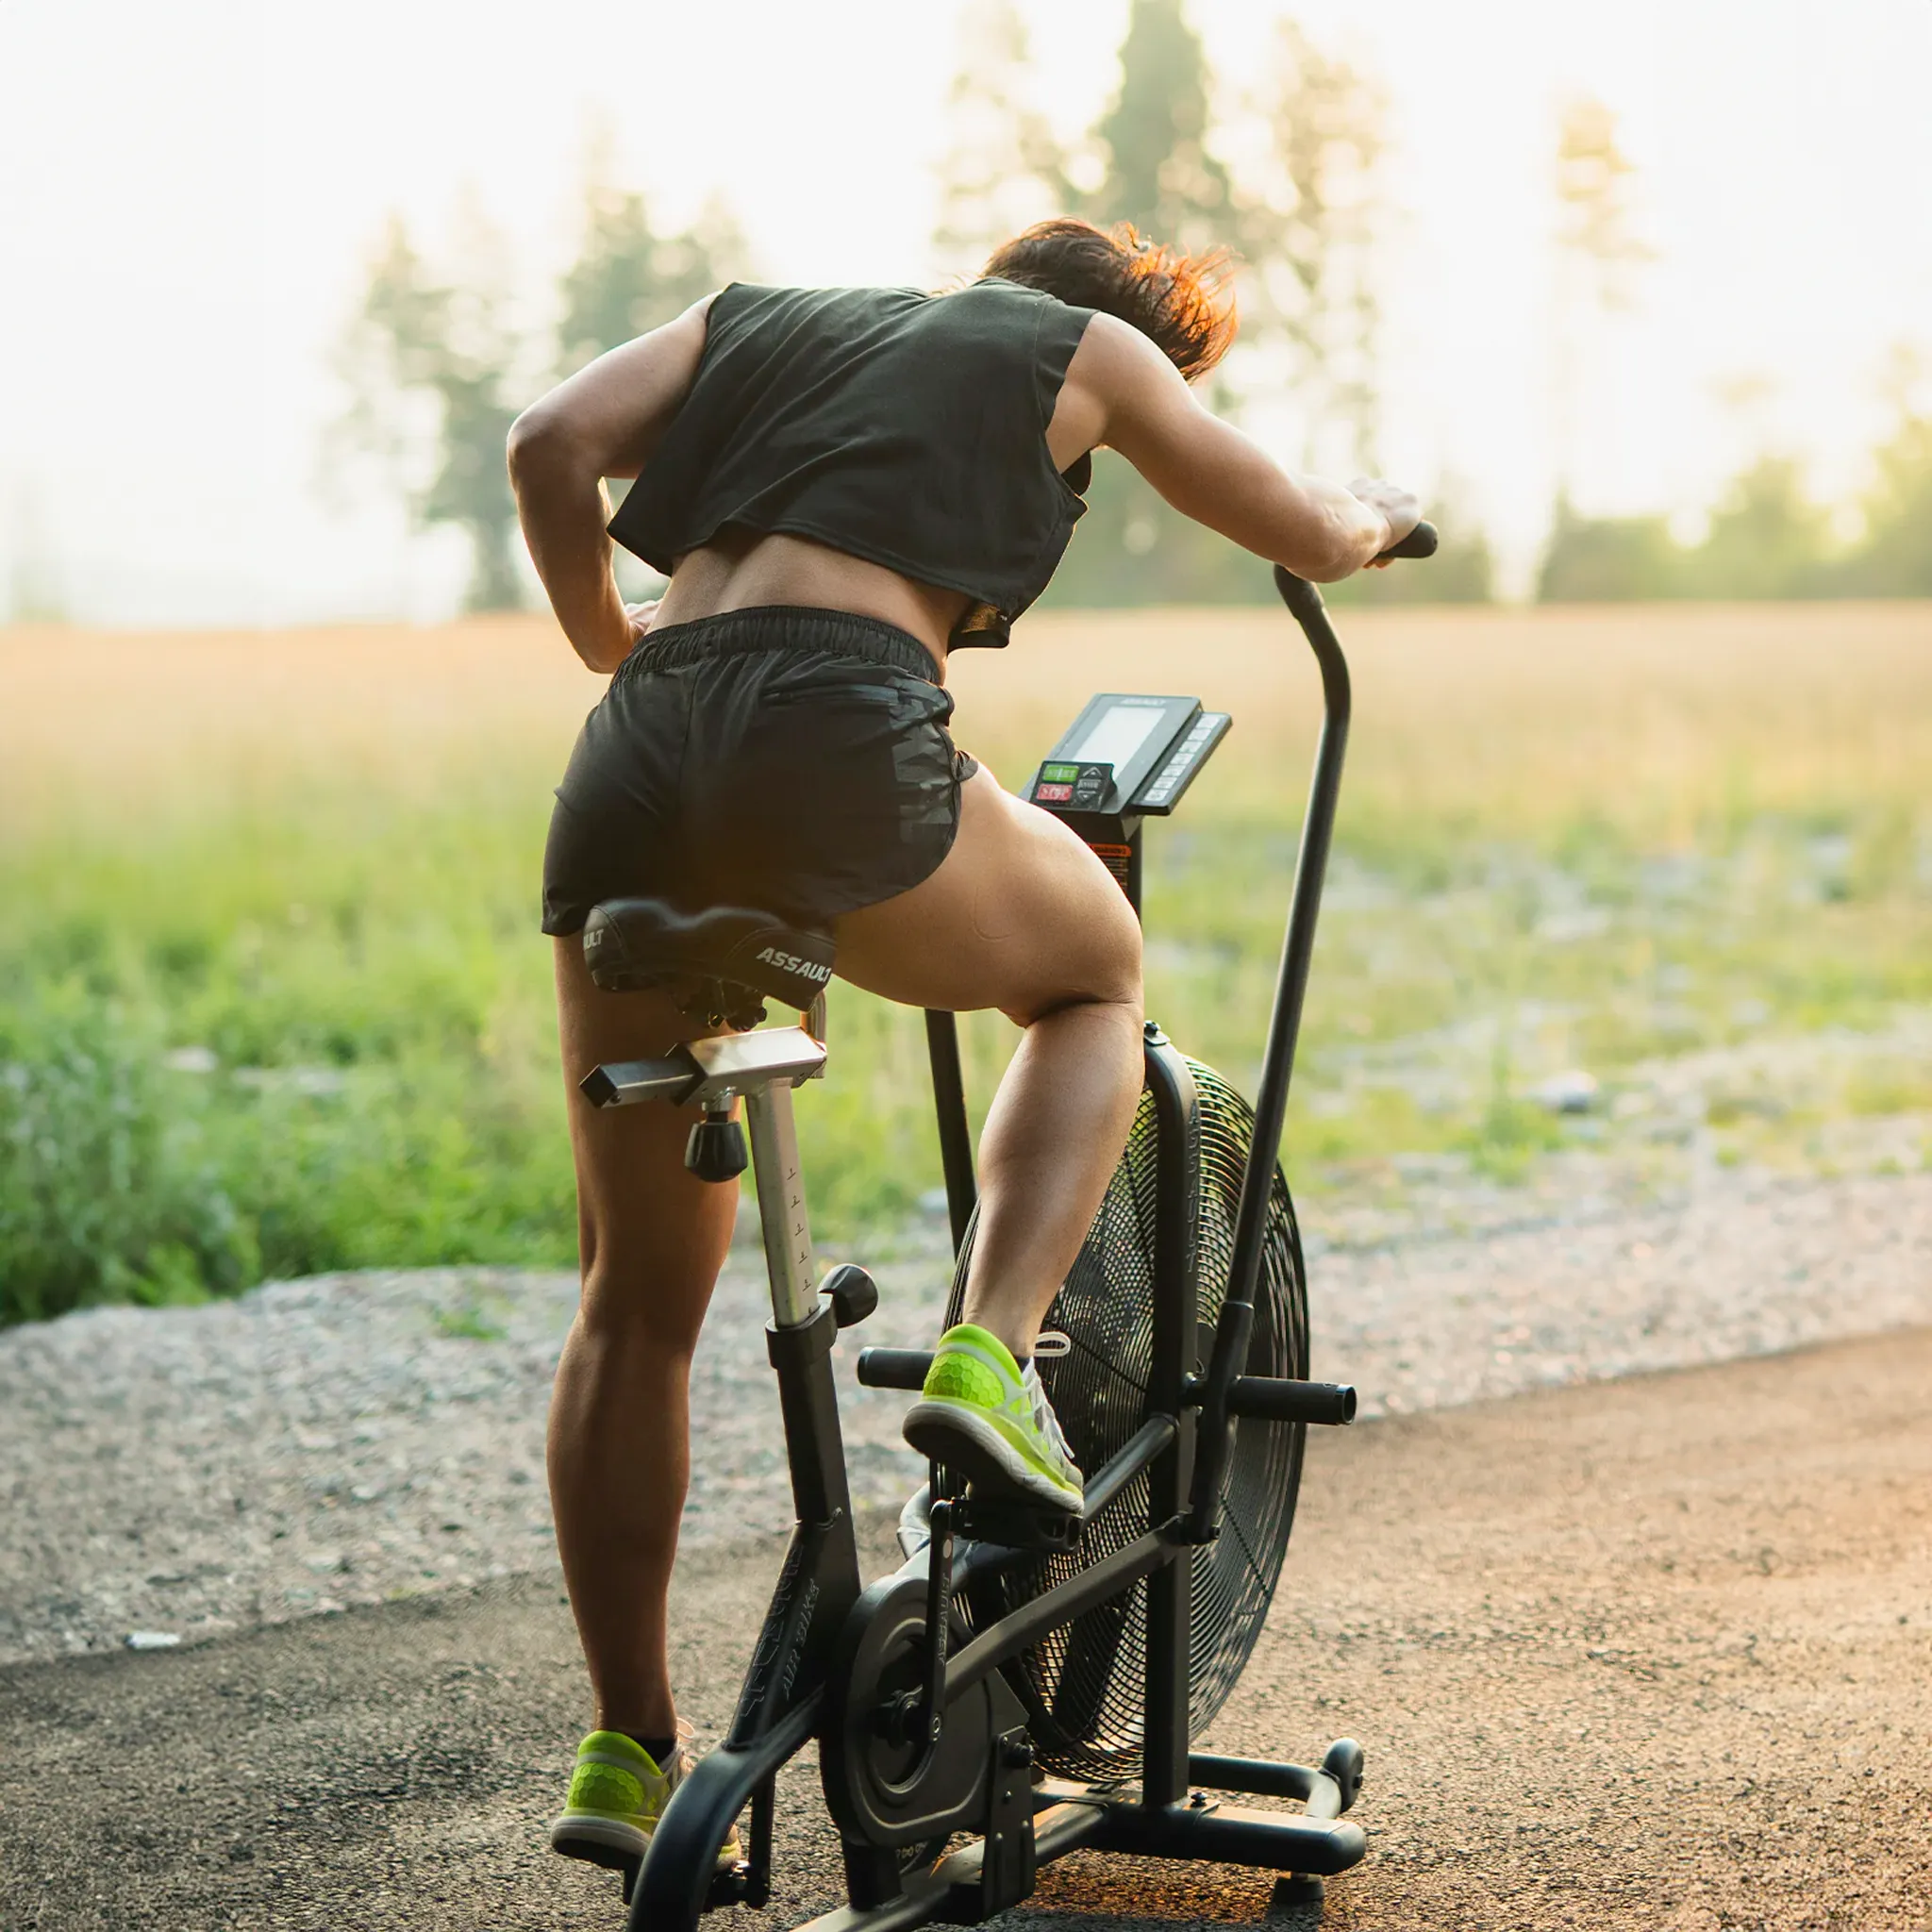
939 1620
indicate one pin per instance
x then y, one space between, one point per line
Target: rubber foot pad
1294 1894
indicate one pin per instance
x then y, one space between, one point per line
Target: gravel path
350 1438
1652 1656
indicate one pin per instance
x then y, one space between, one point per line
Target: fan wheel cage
1083 1685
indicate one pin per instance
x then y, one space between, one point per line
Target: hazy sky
187 193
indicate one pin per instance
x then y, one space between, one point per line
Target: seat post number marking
782 1220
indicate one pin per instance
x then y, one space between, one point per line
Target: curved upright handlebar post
1236 1322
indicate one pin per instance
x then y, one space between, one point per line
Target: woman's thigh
1019 915
651 1236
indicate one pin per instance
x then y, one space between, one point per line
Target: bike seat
631 945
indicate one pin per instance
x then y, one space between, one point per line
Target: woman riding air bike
843 486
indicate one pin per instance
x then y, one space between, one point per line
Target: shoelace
1044 1420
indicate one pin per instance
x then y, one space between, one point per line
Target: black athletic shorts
789 760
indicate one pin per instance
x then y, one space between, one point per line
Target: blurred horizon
189 205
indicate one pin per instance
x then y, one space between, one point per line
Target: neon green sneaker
617 1795
981 1414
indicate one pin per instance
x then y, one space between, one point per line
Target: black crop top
905 429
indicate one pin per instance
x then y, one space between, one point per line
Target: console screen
1117 733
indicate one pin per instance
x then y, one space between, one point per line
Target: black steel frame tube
1225 1835
956 1132
1298 948
973 1562
1257 1776
1164 1683
814 1446
1021 1628
678 1868
1277 1066
1146 1445
948 1893
783 1634
779 1708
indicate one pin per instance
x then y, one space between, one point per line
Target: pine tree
1894 560
427 365
627 278
1309 230
1598 254
1002 168
1161 174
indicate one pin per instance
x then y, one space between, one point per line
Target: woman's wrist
604 636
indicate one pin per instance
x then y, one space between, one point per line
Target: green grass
249 1050
270 1022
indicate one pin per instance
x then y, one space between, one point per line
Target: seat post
782 1221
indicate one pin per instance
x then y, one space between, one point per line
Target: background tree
1893 559
436 369
1310 229
1597 257
1607 559
1160 171
1767 538
1002 168
1153 164
1598 254
1303 225
628 277
427 364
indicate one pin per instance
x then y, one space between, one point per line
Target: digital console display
1117 733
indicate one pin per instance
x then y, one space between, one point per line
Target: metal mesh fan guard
1083 1684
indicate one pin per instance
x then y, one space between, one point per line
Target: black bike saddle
632 944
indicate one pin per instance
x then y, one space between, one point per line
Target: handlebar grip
894 1368
1421 541
1282 1401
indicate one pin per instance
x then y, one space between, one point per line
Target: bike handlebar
1421 541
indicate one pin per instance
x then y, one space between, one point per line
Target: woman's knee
651 1246
631 1305
1104 972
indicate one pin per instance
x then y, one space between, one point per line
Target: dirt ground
1653 1653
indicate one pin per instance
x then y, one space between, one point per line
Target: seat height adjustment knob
852 1293
716 1149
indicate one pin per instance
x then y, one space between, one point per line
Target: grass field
272 998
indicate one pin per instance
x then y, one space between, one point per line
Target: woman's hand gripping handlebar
1302 596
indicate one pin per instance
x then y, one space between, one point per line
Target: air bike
1032 1682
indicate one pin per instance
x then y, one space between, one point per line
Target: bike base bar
1270 1840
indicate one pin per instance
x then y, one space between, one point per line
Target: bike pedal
1049 1532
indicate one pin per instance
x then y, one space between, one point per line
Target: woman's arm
1134 400
604 420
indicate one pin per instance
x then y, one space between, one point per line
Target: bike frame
1183 1444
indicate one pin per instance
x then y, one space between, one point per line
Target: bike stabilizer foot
1295 1894
1201 1828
